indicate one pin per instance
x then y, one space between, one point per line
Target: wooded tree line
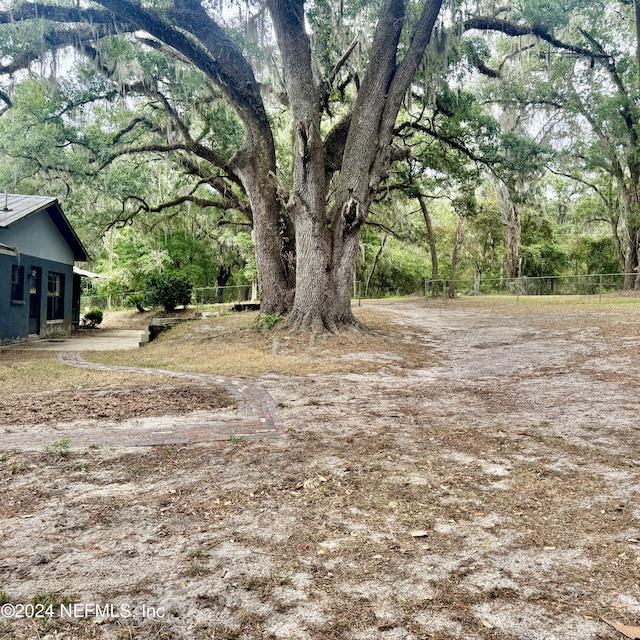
316 144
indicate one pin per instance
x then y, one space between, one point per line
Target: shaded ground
491 493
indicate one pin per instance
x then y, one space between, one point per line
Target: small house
39 293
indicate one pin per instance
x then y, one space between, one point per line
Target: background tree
583 66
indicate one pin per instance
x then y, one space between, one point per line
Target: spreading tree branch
454 143
343 59
77 38
482 23
67 15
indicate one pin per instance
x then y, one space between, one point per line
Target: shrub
135 300
168 290
266 321
93 318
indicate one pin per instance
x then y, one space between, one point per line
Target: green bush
135 300
168 290
266 321
93 318
595 256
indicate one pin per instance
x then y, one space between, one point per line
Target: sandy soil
493 495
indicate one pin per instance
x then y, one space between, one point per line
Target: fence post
600 290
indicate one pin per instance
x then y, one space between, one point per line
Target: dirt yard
469 471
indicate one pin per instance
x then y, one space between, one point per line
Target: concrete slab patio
109 340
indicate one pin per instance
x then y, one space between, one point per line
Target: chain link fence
201 297
225 295
89 301
586 285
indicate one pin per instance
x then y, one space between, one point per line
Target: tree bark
511 220
313 302
631 205
327 245
368 142
433 250
274 263
374 265
455 257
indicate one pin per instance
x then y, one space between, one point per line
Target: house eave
6 250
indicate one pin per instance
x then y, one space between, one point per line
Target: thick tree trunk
631 280
313 275
312 303
327 245
276 274
346 246
633 215
324 278
631 204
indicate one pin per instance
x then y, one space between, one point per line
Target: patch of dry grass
134 320
35 371
230 345
520 305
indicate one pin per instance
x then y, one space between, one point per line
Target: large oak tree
326 226
308 211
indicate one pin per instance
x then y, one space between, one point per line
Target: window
17 283
55 296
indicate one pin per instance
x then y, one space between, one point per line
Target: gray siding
38 235
14 314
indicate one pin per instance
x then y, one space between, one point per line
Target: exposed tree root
313 322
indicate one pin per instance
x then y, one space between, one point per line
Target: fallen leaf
419 533
625 630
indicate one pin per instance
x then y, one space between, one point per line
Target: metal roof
87 274
16 207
